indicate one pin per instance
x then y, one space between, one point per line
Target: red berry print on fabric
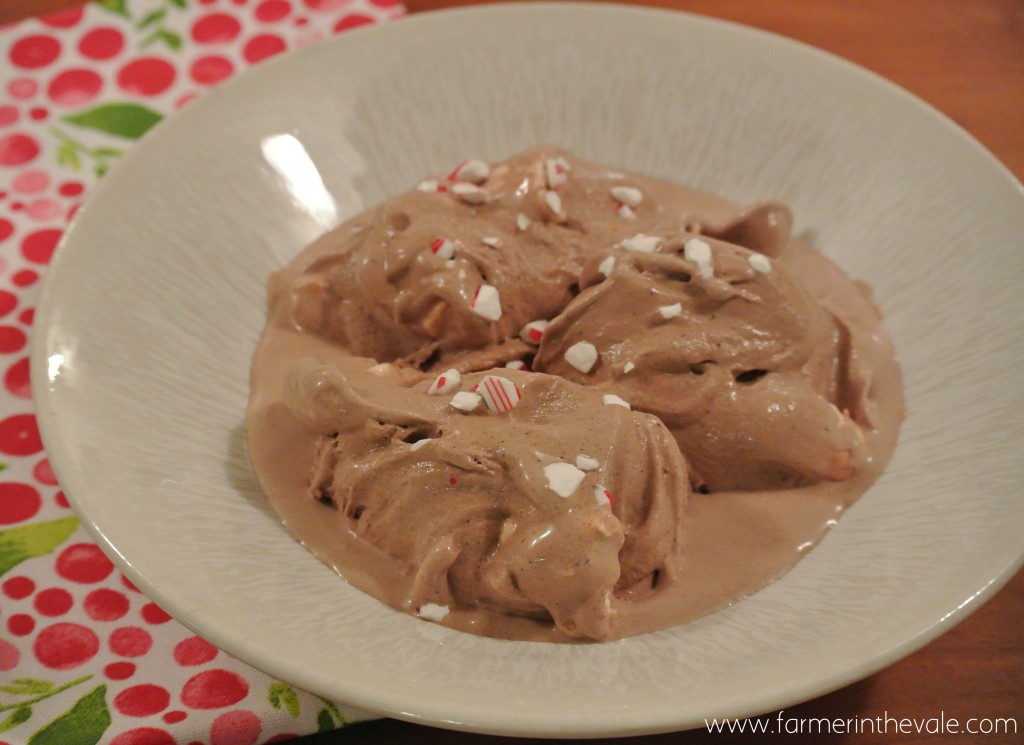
18 588
270 11
235 728
21 624
64 18
106 605
216 28
214 689
352 21
6 229
262 46
18 149
63 646
101 43
16 379
44 474
39 245
83 563
9 656
152 613
142 700
130 641
18 502
34 51
194 651
146 76
19 435
119 670
12 339
144 736
74 87
52 602
210 69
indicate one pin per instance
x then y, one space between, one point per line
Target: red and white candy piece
642 243
533 332
607 266
629 196
629 367
443 247
626 212
522 222
554 204
699 252
563 478
610 399
470 171
670 311
760 263
500 394
517 365
465 401
431 185
420 443
470 193
492 241
602 496
556 172
586 463
582 355
445 382
486 302
432 612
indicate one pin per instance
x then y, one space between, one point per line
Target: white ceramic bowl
155 302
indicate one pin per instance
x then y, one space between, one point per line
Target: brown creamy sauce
733 542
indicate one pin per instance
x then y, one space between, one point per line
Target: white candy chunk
642 243
420 443
470 193
465 400
627 195
500 394
607 266
432 612
556 172
563 478
760 263
428 185
586 463
522 221
491 241
486 303
628 367
471 171
699 252
516 365
610 399
554 202
443 247
626 212
445 382
602 496
582 355
533 332
670 311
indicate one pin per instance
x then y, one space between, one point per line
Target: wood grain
966 58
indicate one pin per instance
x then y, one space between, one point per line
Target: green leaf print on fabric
82 724
30 541
18 716
281 694
115 6
130 120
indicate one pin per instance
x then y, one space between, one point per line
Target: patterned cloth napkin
84 657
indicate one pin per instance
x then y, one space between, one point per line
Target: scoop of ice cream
516 492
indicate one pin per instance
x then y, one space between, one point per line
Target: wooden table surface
966 58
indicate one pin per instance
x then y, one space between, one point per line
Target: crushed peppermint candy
670 311
533 332
602 496
445 382
642 243
522 221
699 252
470 193
586 463
607 266
610 399
554 203
629 196
556 172
420 443
563 478
517 365
443 247
629 367
760 263
626 212
470 171
431 185
432 612
500 394
491 241
465 400
582 355
486 303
